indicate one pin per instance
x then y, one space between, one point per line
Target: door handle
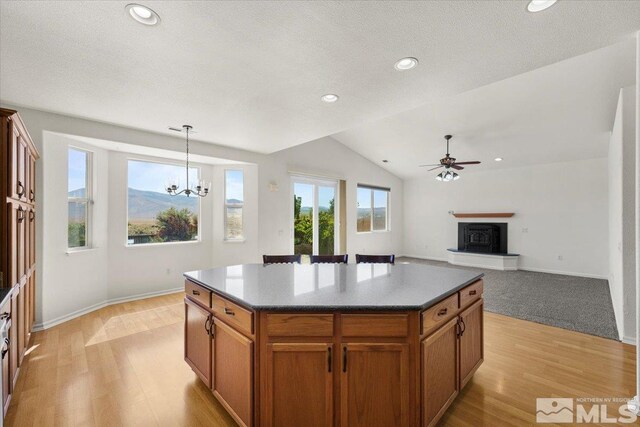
195 292
329 358
32 216
20 189
464 327
20 214
442 312
473 292
229 312
206 325
344 358
32 195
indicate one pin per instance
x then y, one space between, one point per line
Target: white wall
562 207
328 158
622 215
78 279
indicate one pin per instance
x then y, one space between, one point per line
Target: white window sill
373 232
161 244
80 251
235 240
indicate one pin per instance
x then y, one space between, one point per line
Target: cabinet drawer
471 293
197 293
233 314
437 315
301 325
375 325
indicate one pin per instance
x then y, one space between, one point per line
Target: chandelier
201 189
447 176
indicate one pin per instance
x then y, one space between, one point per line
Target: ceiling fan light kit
448 163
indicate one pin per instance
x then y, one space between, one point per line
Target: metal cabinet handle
442 312
229 312
20 214
463 326
195 292
329 359
32 195
344 358
32 216
206 325
20 189
473 292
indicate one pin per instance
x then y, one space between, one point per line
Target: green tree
326 228
176 225
297 205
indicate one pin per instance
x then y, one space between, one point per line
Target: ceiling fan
449 162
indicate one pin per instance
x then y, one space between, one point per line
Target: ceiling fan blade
435 164
432 169
455 166
475 162
176 129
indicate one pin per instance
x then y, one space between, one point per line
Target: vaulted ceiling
251 74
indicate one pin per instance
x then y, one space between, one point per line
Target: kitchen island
334 344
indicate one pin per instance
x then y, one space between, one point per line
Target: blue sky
325 194
149 176
234 183
77 169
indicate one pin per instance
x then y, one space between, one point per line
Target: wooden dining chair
329 259
281 259
375 259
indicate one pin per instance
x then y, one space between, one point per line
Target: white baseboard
566 273
424 257
629 340
53 322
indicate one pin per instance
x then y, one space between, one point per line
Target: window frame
372 189
88 200
169 162
226 205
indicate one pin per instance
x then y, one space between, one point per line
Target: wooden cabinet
439 372
232 372
18 158
374 384
294 370
5 313
197 343
471 341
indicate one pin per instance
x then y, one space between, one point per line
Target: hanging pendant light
201 189
447 176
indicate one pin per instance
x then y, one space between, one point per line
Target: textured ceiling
557 113
250 74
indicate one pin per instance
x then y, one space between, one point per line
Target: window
233 204
153 215
79 198
373 209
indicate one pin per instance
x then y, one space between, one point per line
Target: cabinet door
439 371
232 370
471 341
374 385
19 246
197 342
14 162
32 302
13 339
295 370
32 238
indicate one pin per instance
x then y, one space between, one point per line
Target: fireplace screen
482 237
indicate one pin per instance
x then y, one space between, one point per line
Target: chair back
329 259
375 259
281 259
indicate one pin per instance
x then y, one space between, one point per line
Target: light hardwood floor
123 365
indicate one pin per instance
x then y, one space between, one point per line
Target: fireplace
482 237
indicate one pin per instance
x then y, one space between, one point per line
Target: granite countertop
318 287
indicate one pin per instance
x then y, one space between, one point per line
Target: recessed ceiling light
142 14
330 97
406 64
540 5
498 159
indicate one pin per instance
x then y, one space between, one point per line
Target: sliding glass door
315 221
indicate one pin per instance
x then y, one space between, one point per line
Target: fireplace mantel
484 215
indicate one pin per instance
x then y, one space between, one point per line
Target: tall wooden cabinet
17 248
